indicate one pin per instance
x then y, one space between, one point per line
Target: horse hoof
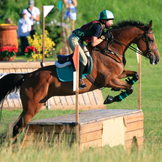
108 100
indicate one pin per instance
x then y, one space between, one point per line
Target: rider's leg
85 50
81 71
82 65
72 42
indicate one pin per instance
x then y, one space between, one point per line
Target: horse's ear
150 25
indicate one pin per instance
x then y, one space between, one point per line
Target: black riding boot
81 71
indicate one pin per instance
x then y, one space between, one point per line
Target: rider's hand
107 35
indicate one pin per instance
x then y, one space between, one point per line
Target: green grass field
151 106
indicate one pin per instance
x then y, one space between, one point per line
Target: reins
106 50
130 47
110 52
137 50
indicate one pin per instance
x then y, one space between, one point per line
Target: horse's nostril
157 61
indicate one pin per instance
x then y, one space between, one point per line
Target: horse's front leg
127 74
119 84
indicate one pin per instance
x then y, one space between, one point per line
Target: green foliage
87 11
13 9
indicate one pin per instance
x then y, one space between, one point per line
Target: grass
39 153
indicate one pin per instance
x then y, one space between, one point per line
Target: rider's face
109 23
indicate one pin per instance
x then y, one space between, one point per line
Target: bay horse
108 70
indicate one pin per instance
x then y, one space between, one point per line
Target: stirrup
82 86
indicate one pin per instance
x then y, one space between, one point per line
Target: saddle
65 60
65 67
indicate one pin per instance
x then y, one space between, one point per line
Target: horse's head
147 44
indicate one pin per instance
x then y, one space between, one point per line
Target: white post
76 88
139 80
43 46
45 10
139 83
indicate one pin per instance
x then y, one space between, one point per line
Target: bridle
149 51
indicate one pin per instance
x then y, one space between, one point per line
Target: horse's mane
126 23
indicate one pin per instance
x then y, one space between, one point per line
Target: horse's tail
10 83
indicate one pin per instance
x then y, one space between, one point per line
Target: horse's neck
127 35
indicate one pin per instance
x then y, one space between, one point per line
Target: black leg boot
81 71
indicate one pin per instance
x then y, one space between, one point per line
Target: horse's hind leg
34 93
18 124
25 117
32 101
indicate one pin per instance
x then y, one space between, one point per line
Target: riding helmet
106 15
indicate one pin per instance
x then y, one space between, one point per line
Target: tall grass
63 153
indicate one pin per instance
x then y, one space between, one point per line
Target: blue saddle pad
66 74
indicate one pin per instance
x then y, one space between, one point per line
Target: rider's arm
96 30
95 41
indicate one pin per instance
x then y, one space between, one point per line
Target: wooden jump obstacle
97 128
87 101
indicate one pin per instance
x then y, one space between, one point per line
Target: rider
89 32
